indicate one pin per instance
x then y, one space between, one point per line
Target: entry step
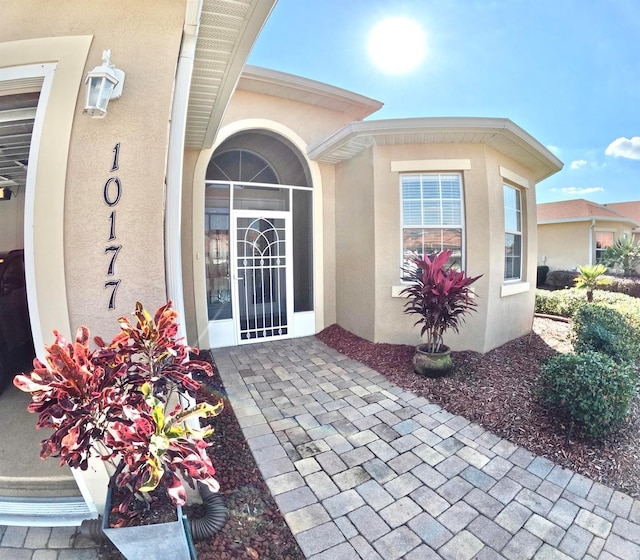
44 512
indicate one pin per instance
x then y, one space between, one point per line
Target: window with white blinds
512 234
432 215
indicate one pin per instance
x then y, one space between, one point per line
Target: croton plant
115 402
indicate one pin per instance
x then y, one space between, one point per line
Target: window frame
442 226
518 233
596 250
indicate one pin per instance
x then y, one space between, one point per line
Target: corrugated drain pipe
214 518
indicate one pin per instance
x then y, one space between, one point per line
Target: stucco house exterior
264 205
573 233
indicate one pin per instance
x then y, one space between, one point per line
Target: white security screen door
263 275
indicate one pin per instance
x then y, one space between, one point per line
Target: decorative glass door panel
262 278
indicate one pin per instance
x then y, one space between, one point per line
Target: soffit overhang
502 135
303 90
226 32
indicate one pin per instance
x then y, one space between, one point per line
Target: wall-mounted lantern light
104 82
5 193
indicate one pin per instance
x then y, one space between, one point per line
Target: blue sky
566 71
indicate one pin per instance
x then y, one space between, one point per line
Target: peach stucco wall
568 245
144 38
379 241
564 246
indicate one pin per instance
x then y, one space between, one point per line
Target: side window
604 240
432 215
513 241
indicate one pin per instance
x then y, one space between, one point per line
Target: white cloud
573 191
554 150
624 147
577 164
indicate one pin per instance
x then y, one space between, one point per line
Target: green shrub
601 328
541 276
562 278
567 302
591 389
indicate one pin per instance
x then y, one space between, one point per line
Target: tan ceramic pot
432 364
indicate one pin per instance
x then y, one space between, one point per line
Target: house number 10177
111 193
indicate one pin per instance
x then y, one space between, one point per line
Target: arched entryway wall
254 187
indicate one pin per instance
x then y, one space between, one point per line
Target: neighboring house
629 210
573 233
262 204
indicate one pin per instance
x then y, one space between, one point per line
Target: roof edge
588 219
353 130
301 89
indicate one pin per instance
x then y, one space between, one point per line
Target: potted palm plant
121 403
440 296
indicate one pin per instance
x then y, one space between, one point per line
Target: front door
262 272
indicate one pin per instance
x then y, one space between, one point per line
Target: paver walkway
362 469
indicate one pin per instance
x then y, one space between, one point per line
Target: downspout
591 247
175 161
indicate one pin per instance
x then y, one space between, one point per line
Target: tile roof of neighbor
572 210
628 209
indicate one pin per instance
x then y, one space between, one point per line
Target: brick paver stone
593 523
322 485
576 542
430 530
458 516
544 529
351 478
489 532
396 544
428 500
374 494
513 517
622 548
563 513
306 518
464 546
523 546
343 503
369 523
400 512
319 538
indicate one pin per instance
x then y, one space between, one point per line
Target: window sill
515 288
395 291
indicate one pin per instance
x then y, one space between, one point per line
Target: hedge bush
566 279
594 391
601 328
567 302
623 285
561 278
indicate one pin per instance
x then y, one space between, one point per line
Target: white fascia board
306 90
588 219
394 127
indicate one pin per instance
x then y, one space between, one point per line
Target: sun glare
397 45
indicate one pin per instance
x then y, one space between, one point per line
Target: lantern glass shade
100 86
